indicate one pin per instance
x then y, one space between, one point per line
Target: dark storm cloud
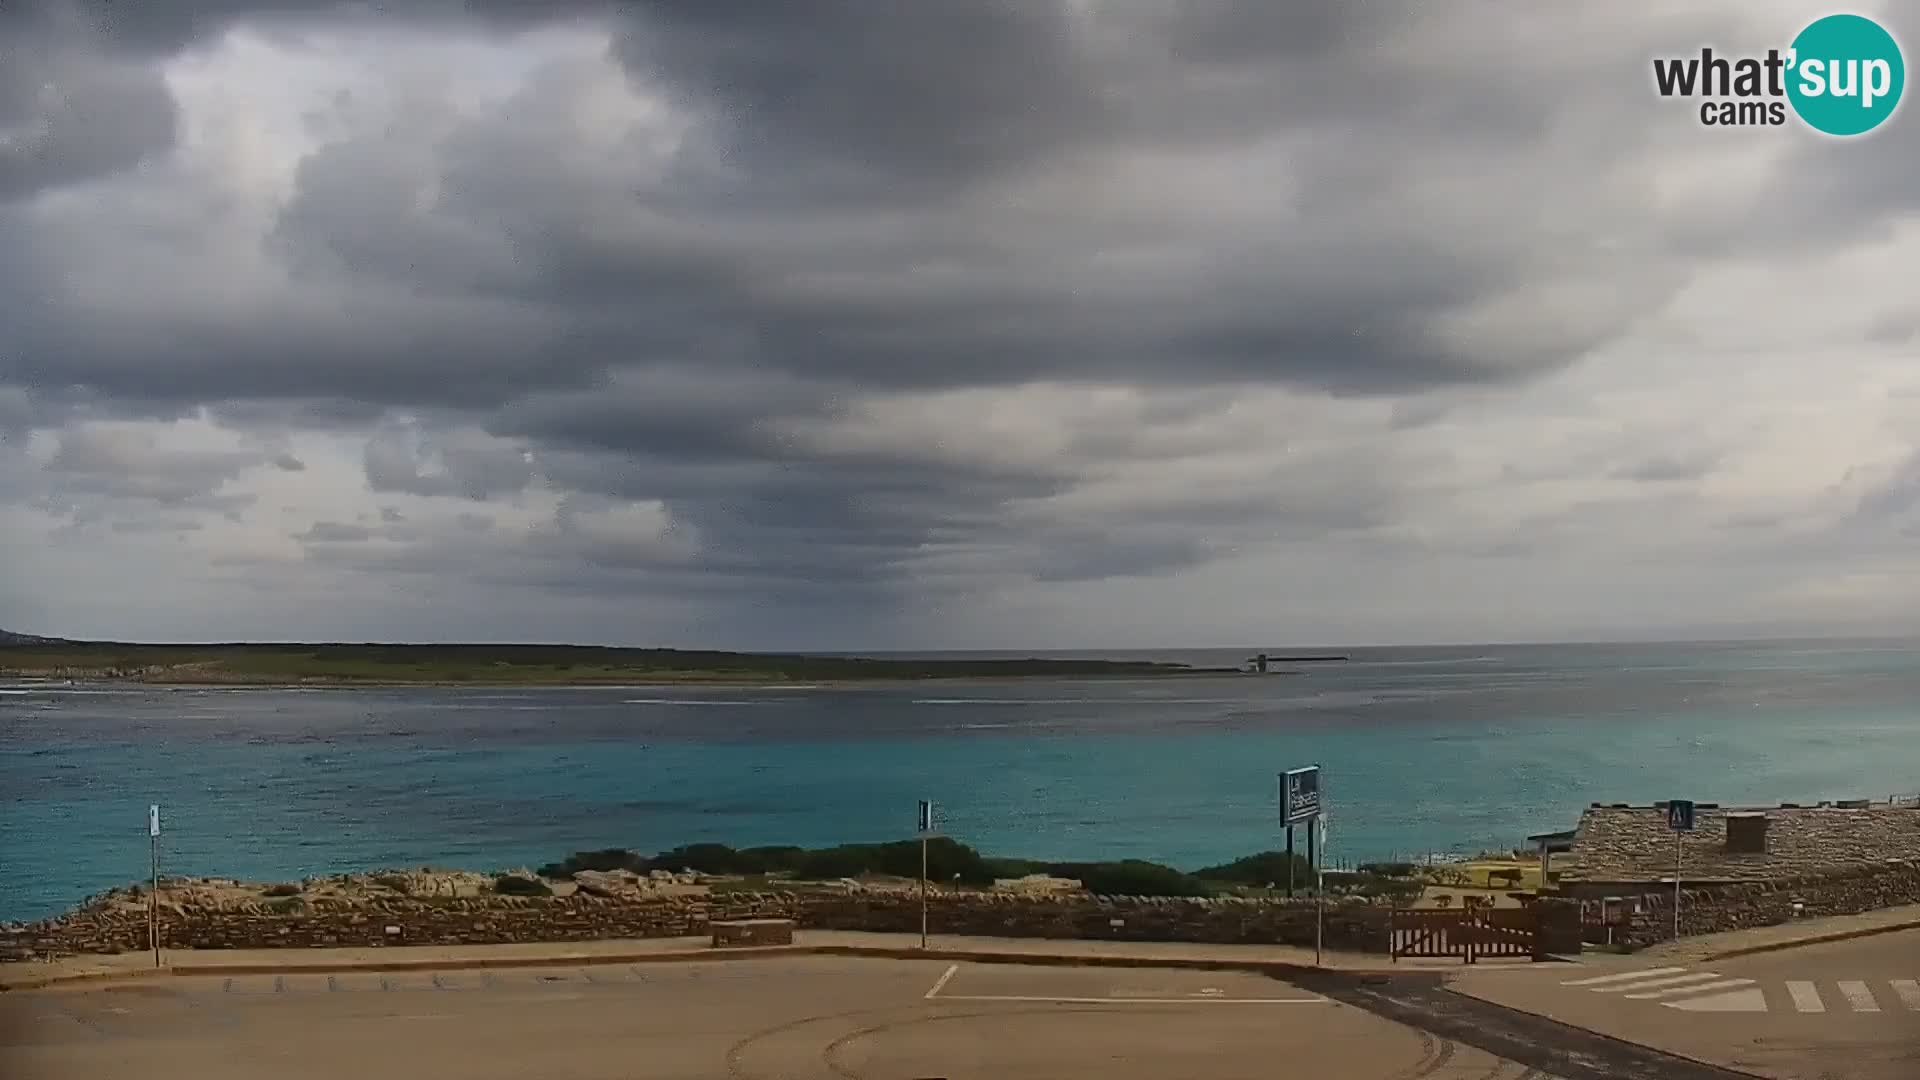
160 27
866 95
66 116
873 199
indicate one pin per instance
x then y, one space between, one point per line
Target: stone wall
1224 921
497 920
1735 907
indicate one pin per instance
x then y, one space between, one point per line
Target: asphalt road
792 1018
1841 1011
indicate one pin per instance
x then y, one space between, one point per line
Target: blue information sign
1680 815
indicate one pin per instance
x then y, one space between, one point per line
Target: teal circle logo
1847 75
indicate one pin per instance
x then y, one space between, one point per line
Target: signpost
925 828
153 897
1300 802
1680 820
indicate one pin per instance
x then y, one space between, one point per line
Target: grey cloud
167 26
849 96
335 532
876 198
404 460
123 464
288 463
66 116
1669 467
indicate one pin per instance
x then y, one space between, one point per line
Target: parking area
1846 1010
793 1018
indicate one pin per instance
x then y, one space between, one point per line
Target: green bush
947 860
1014 868
515 885
1268 867
604 859
1388 869
706 858
1131 877
778 859
285 888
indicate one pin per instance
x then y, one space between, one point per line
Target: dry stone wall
1738 907
582 917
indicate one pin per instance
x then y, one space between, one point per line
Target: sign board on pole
153 820
926 816
1680 815
1300 795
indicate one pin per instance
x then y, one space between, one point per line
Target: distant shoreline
290 664
39 681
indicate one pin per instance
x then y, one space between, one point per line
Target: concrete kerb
42 982
1811 939
1280 969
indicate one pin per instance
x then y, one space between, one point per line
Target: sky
1005 324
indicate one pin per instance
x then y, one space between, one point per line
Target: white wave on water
67 691
999 701
688 701
1451 661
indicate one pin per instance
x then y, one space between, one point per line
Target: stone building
1622 850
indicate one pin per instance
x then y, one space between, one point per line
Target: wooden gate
1468 935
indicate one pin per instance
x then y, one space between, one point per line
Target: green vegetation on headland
373 664
949 861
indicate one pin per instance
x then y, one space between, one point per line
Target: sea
1424 752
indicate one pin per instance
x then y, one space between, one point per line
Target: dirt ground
794 1018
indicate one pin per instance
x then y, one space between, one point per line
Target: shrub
780 859
1014 868
605 859
285 888
1132 877
1388 869
515 885
706 858
947 860
1267 867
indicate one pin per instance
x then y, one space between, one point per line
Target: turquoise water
1444 750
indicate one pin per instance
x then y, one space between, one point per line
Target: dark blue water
1423 750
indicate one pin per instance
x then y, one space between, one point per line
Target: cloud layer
1089 322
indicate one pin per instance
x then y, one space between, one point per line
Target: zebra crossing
1710 991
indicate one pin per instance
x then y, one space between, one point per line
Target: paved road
796 1018
1842 1011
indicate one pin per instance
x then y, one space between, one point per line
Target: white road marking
1753 1000
1858 996
1806 997
1909 992
944 976
1691 988
1668 980
1626 977
1035 998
